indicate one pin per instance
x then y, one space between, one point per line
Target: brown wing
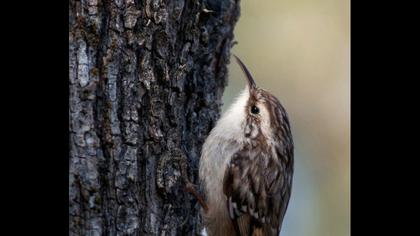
257 187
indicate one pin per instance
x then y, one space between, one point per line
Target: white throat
231 124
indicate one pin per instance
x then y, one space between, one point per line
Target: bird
246 166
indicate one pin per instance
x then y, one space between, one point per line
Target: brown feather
257 196
258 232
243 224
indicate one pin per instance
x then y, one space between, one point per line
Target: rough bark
146 81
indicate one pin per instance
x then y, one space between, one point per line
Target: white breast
223 141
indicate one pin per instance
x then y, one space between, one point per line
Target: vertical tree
146 82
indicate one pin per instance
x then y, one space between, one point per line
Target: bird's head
255 115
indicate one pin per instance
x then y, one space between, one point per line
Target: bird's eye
255 110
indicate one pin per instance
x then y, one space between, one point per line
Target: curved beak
251 82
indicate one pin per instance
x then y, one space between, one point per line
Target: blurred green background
300 51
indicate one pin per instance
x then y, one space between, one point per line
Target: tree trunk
146 82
